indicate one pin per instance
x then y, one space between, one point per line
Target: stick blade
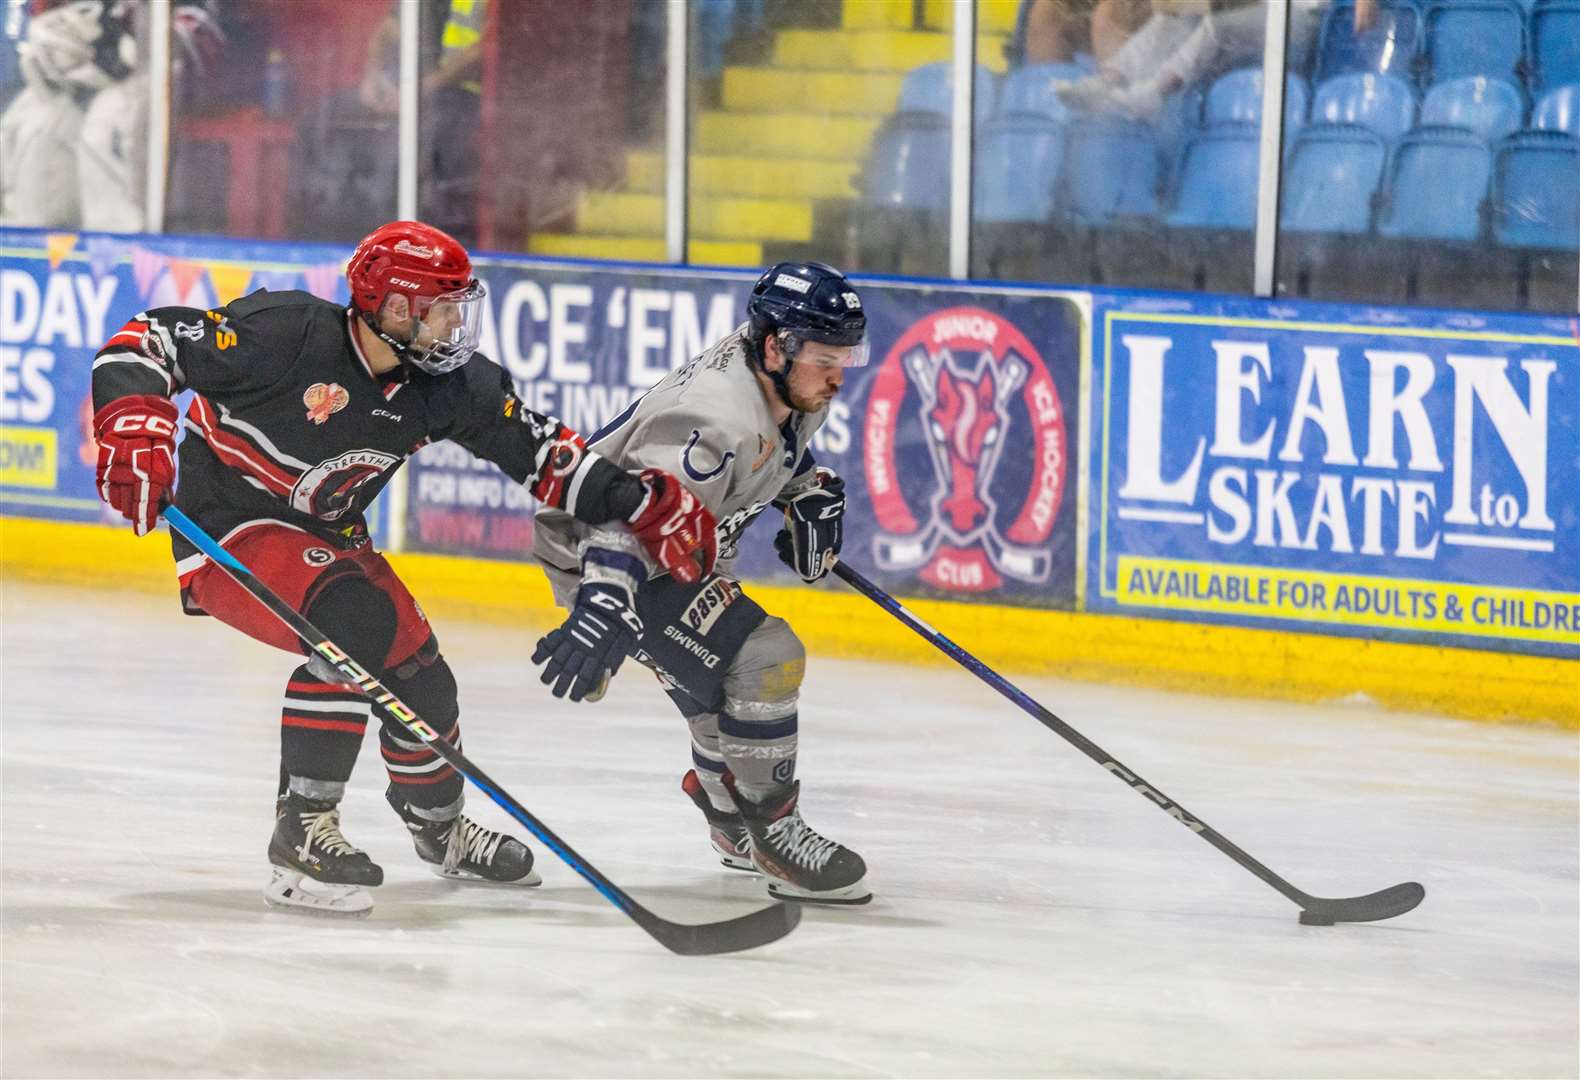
1373 907
748 931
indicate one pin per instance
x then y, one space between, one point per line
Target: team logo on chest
330 488
323 400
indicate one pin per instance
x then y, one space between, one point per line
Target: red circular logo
967 388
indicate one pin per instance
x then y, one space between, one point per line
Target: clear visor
823 354
447 328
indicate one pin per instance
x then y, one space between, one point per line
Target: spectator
72 51
1057 31
1187 41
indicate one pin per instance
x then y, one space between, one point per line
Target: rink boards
1208 493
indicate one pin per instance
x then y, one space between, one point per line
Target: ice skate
798 863
462 850
316 869
727 831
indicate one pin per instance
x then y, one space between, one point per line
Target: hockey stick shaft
748 931
1350 909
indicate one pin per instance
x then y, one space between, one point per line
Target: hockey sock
758 743
708 759
420 780
322 721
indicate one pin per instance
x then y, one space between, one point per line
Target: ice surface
1033 917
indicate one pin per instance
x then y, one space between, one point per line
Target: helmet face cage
445 329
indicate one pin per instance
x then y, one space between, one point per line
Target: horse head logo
966 410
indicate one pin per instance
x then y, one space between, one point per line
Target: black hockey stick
1314 910
732 935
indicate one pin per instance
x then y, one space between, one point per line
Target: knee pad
357 616
764 681
425 682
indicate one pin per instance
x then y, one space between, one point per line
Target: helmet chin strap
402 349
780 378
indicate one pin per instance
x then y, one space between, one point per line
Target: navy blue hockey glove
585 652
814 527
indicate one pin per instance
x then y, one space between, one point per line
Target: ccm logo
153 425
403 283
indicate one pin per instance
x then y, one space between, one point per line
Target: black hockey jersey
290 424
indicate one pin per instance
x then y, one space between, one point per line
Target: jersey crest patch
702 476
323 400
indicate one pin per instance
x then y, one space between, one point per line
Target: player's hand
676 527
814 527
584 653
137 456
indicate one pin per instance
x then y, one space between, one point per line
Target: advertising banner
957 442
1400 474
61 295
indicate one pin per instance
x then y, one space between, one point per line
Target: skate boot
316 869
727 831
462 850
798 863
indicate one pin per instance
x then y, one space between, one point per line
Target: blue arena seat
1382 103
1029 89
930 88
908 167
1017 162
1474 37
1555 42
1389 47
1236 98
1333 171
1111 169
1536 191
1491 108
1217 179
1558 110
1437 182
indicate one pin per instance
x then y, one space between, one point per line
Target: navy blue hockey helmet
810 301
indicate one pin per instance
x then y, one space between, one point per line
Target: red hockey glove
137 456
676 527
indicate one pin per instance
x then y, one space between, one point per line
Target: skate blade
528 881
850 895
738 862
291 890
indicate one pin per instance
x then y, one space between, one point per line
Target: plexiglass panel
541 119
1440 163
283 119
821 130
1121 145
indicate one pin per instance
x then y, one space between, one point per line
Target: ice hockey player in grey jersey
735 424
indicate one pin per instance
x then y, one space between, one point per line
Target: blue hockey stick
745 932
1314 910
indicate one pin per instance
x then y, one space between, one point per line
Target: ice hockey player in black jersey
302 411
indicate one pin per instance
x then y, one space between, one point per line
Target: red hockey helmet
433 272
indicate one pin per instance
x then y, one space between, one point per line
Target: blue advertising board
1399 474
62 294
957 442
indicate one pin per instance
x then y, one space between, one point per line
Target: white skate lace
470 841
795 838
322 827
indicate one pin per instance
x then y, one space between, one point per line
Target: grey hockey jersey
709 424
